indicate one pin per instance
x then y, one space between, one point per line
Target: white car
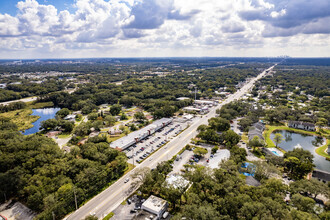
126 180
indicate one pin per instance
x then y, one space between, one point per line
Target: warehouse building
136 136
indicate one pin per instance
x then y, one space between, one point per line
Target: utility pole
75 197
195 92
133 155
53 215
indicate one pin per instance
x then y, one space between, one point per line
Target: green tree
139 116
63 112
115 109
123 117
214 149
278 139
49 124
256 142
298 163
200 151
219 124
92 116
110 120
303 203
230 138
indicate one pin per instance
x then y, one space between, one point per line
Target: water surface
44 113
307 142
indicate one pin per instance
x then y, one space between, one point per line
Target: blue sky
9 6
148 28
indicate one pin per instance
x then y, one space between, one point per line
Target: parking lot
140 151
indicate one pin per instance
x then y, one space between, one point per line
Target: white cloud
166 28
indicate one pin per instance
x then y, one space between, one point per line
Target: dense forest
37 172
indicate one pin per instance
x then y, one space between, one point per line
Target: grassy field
110 139
23 118
270 129
64 135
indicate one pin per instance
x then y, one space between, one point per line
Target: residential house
256 130
302 125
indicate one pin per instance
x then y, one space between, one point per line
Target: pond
45 113
307 142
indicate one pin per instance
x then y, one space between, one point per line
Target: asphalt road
30 99
109 199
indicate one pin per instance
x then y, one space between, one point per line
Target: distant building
182 98
302 125
204 102
155 205
192 109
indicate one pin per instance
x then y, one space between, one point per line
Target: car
137 207
126 180
132 211
138 161
129 201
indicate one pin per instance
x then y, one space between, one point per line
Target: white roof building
138 135
155 205
177 181
182 98
204 102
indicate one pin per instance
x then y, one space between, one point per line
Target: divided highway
109 199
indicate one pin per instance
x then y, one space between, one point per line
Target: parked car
132 211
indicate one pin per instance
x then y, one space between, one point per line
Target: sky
34 29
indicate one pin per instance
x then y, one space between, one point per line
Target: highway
110 199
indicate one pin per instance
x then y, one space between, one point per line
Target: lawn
64 135
110 215
110 139
321 150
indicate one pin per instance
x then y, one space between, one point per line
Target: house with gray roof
256 130
302 125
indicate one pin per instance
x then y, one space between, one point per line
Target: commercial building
204 102
136 136
155 205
